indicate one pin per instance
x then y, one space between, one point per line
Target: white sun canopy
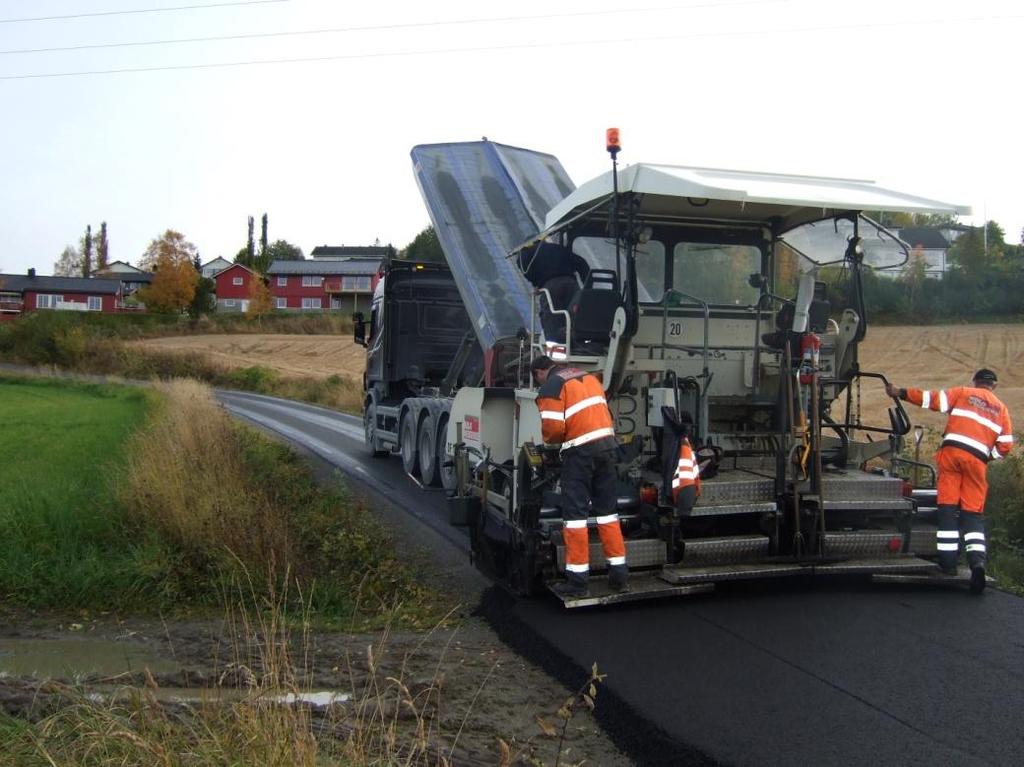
707 193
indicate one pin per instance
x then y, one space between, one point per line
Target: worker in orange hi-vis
574 414
686 479
977 431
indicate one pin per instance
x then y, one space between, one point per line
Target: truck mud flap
641 586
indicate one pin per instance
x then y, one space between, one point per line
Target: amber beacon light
611 137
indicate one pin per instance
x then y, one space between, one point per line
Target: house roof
232 266
347 267
928 237
20 283
120 267
215 260
136 276
349 251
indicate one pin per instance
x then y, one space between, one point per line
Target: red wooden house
20 294
323 284
233 285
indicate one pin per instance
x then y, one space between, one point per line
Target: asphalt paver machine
723 306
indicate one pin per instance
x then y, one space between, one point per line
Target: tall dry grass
188 479
211 501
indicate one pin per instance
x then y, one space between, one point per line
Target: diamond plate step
641 587
642 552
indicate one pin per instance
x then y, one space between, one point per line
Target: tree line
984 279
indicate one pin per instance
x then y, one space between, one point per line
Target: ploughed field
941 357
316 356
932 356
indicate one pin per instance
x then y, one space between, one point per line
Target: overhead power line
139 10
391 27
514 46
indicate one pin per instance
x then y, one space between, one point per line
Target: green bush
256 378
1005 512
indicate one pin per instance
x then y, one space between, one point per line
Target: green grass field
61 446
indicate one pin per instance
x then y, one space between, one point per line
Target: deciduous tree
102 248
263 236
425 247
260 300
69 264
174 279
87 252
282 250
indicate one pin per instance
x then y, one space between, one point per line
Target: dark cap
543 362
985 376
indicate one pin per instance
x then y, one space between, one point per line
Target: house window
95 304
310 303
230 302
282 282
355 283
282 303
48 301
236 280
312 281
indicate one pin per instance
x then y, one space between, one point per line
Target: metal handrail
568 319
707 328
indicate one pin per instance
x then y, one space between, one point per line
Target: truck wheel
449 479
370 431
407 440
429 458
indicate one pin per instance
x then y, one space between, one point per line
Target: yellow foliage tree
260 300
170 258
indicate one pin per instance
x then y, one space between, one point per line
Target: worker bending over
575 414
977 431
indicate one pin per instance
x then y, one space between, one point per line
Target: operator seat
592 310
553 267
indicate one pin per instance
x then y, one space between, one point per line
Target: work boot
574 586
977 579
618 578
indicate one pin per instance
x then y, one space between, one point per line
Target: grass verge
119 499
62 446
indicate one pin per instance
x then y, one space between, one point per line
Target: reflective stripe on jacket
978 421
687 471
573 409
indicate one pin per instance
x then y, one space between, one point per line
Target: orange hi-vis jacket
573 408
978 422
687 472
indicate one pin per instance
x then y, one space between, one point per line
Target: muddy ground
466 685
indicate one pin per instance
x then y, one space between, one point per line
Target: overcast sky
920 95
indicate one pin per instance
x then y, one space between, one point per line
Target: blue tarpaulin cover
484 199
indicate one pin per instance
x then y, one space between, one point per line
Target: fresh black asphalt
775 673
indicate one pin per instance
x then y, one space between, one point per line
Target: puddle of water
74 658
197 696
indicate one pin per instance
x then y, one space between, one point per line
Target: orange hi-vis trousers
962 480
588 484
962 486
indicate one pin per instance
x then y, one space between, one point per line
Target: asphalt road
780 673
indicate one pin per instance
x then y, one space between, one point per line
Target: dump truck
724 307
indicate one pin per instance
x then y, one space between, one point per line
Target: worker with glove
977 431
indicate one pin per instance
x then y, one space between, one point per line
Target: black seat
562 291
547 261
593 308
